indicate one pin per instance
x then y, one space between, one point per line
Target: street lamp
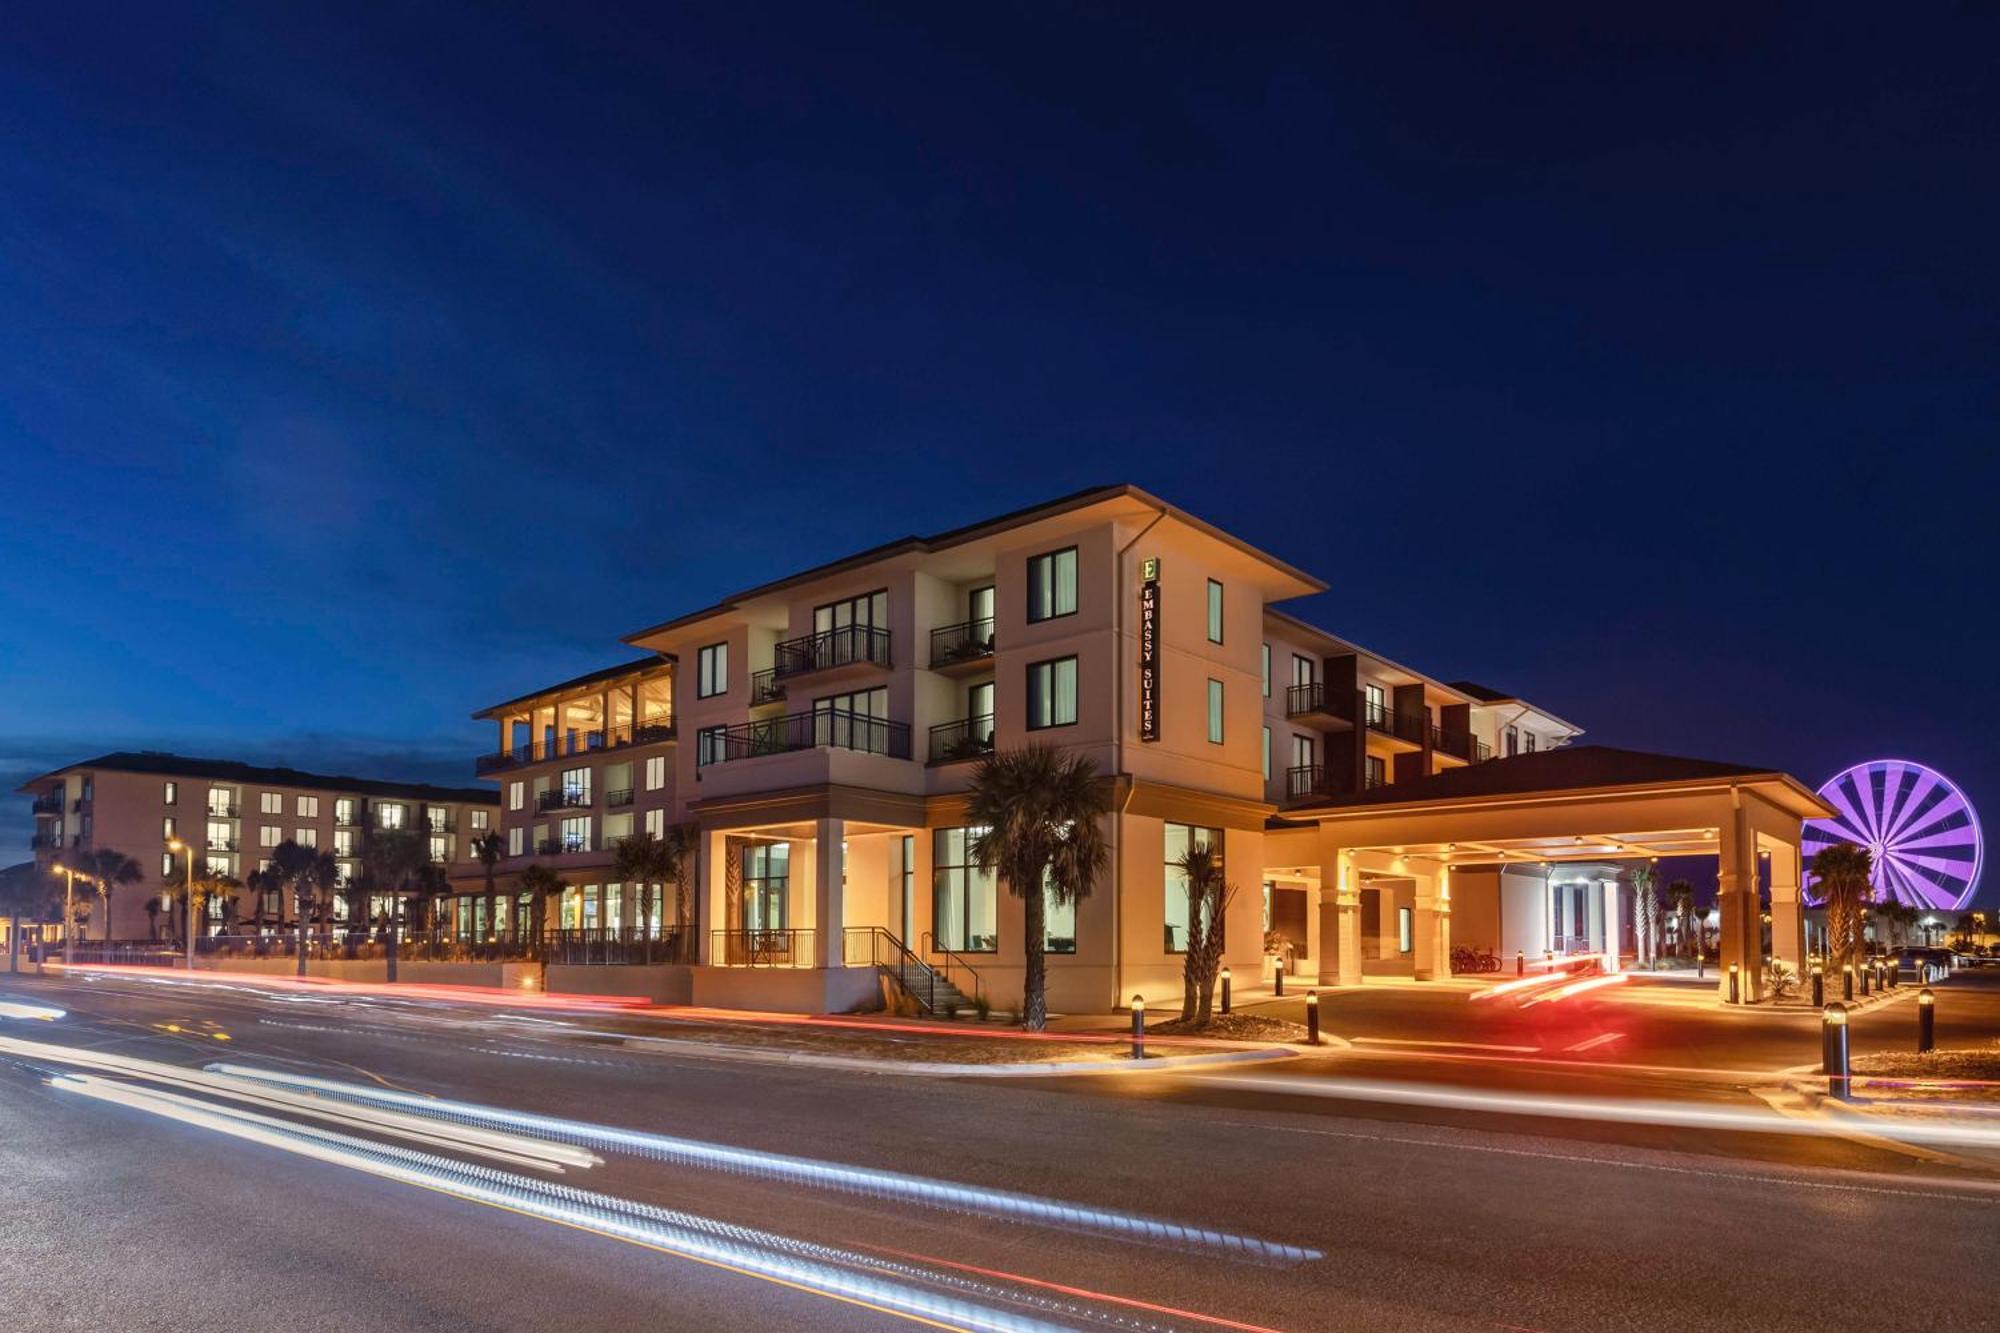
187 852
70 877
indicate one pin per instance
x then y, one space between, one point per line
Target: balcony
614 799
41 840
222 811
562 800
1308 780
1309 699
576 742
1457 744
222 845
962 647
561 846
967 738
823 728
446 824
1410 727
845 646
49 804
765 687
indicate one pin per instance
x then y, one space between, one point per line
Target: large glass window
221 801
343 809
1058 925
576 833
767 880
1180 837
576 786
517 794
1215 712
656 772
964 897
854 721
1214 611
870 610
1052 584
710 745
389 815
1052 693
1267 754
1378 704
1302 669
308 807
712 671
271 803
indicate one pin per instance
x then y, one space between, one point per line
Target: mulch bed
1962 1074
1233 1027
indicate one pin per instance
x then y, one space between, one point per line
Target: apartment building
231 815
819 732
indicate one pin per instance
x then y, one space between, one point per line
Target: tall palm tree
109 868
1645 914
1841 872
1209 896
540 884
312 875
488 848
1038 809
649 861
1680 897
206 885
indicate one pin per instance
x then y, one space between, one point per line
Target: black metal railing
961 974
823 728
1481 751
967 738
830 648
1411 727
1371 779
560 800
1456 743
968 641
576 742
50 804
617 944
1309 698
1306 780
613 799
873 946
441 824
561 846
222 845
222 811
762 948
765 687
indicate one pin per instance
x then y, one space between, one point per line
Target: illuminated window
1052 585
1377 773
767 880
306 837
656 823
271 803
1180 837
515 837
965 901
1214 611
1058 924
1406 935
170 794
710 746
656 772
517 794
1215 712
1267 671
269 835
1267 754
481 820
576 833
389 815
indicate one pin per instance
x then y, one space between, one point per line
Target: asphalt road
117 1217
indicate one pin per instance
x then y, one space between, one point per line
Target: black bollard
1278 978
1225 990
1847 983
1520 963
1833 1051
1312 1018
1819 987
1926 1022
1864 980
1138 1027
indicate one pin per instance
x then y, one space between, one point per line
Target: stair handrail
905 959
952 959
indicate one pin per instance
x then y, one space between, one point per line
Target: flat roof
971 532
184 766
578 682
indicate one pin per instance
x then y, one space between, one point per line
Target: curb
946 1069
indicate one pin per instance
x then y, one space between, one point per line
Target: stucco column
829 881
1788 939
1432 921
1741 940
710 912
1315 934
1339 917
1611 925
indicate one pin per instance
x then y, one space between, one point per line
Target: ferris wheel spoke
1909 804
1849 816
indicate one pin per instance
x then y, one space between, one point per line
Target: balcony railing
576 742
1370 779
823 728
41 840
222 811
1456 743
50 804
1310 698
442 824
830 648
614 799
1411 727
967 738
762 948
1307 780
765 687
561 846
1481 751
222 845
560 799
969 641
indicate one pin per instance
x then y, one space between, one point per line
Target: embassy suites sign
1149 649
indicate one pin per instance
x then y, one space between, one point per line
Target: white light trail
19 1009
806 1171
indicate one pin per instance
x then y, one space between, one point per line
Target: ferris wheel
1915 821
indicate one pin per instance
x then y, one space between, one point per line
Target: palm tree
109 868
1208 896
488 847
1680 896
1038 810
391 860
204 886
540 884
24 891
312 875
1645 914
429 886
646 861
1841 871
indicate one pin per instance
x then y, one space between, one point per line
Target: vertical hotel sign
1149 649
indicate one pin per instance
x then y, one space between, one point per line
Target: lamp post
70 877
187 855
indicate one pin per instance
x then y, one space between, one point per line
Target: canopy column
1339 915
1432 921
1612 925
1742 939
1788 938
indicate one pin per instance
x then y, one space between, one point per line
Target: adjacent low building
231 815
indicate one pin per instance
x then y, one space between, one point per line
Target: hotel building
231 815
820 732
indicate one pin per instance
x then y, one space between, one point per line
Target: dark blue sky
359 369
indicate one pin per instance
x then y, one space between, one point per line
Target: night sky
359 369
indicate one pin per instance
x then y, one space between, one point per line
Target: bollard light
1312 1018
1865 969
1833 1051
1138 1027
1520 962
1735 984
1225 988
1926 1021
1278 978
1819 986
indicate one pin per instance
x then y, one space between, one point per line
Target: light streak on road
476 995
835 1176
20 1009
1576 988
790 1263
1630 1111
1592 1043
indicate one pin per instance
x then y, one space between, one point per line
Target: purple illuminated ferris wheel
1917 823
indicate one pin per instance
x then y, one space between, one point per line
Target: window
270 835
712 671
1052 694
1215 712
221 801
1527 742
869 611
516 836
1406 936
1267 754
576 833
306 837
963 897
481 820
389 815
767 882
1378 704
220 834
220 865
1377 772
167 827
1052 585
617 828
1180 837
271 803
1267 671
170 794
855 721
656 823
1214 611
166 862
308 807
440 848
1304 669
1302 751
517 793
710 745
656 772
576 786
343 841
1513 741
343 810
1058 925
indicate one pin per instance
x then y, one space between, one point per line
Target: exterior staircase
929 988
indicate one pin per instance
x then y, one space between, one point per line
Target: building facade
230 816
